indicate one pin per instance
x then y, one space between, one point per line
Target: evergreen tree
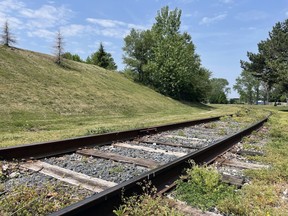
102 59
59 47
7 37
270 64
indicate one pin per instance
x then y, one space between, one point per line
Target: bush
146 204
203 188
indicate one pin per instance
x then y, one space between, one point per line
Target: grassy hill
41 101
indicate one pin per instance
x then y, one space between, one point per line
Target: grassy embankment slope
40 101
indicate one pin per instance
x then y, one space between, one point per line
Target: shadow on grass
198 105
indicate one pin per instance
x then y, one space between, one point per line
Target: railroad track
103 166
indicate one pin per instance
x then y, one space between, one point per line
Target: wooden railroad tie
120 158
69 176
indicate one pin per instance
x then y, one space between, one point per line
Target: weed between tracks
25 200
268 192
146 204
203 188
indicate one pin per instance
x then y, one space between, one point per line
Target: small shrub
203 188
146 204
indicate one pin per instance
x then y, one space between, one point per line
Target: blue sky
222 30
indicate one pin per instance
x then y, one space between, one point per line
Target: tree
73 57
102 59
270 64
137 52
77 58
166 65
165 59
219 91
59 47
7 37
276 49
247 87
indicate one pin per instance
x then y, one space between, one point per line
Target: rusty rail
104 202
52 148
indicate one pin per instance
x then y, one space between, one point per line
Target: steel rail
52 148
104 202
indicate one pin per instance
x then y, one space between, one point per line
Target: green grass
148 203
30 200
41 101
267 192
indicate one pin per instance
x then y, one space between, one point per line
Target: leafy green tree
137 52
167 52
219 91
73 57
77 58
165 58
67 55
102 59
7 37
247 87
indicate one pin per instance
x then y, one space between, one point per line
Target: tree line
265 75
162 58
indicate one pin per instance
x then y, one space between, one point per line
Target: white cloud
106 23
73 30
9 5
113 32
210 20
112 28
46 16
42 33
14 22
